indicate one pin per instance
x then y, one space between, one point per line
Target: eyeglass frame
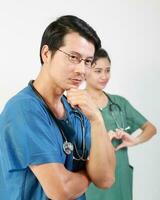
78 59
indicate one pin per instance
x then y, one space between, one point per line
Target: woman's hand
127 139
112 135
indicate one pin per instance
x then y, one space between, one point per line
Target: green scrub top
122 188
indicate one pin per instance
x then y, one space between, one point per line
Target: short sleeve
134 118
29 137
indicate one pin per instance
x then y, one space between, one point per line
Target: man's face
63 67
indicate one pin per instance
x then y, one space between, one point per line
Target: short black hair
54 34
101 53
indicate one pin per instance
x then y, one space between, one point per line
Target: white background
129 30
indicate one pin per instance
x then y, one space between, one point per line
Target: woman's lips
103 82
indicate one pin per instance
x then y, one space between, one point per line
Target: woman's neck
98 96
95 93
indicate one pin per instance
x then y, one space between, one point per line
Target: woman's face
98 76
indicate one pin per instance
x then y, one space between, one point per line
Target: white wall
129 30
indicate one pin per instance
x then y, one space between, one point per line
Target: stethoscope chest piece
67 147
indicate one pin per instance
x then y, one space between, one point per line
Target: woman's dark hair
54 34
101 53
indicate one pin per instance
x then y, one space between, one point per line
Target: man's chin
69 88
76 86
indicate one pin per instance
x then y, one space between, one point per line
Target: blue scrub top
28 136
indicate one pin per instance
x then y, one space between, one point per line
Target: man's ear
45 53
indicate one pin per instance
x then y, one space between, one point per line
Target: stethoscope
69 145
117 114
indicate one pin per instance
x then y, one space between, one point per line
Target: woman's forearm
148 130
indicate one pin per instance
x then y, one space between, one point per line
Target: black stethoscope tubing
117 121
113 104
67 145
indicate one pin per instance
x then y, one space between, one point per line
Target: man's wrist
96 118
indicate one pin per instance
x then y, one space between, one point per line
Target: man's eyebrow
75 52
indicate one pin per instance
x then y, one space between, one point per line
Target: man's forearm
77 184
101 164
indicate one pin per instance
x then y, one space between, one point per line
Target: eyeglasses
76 59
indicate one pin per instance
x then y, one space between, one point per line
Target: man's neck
51 95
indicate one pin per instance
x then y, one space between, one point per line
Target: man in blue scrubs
48 148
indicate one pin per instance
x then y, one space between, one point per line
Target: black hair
101 53
54 34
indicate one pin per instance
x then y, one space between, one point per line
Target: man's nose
81 67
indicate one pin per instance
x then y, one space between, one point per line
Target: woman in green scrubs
121 120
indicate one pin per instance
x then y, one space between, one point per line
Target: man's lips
76 81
